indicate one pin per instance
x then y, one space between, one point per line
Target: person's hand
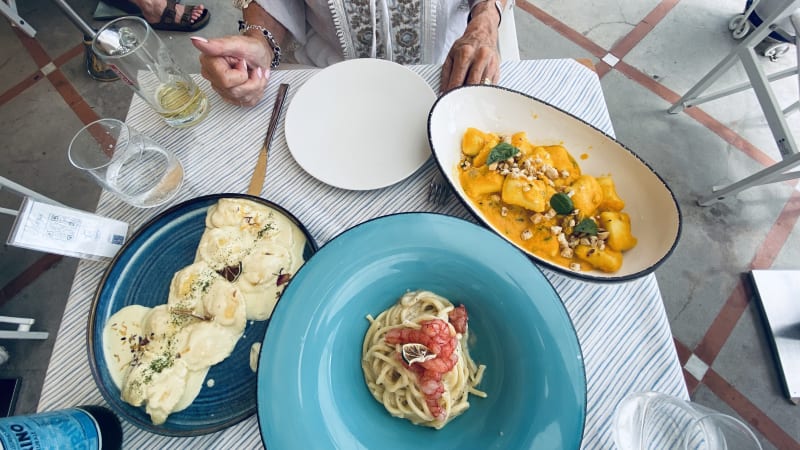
474 58
236 66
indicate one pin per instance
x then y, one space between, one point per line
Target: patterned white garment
329 31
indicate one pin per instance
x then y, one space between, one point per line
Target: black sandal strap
168 16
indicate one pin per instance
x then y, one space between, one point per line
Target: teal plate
141 274
311 389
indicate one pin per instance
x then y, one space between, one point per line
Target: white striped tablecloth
622 328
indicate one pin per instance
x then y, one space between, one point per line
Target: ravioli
256 247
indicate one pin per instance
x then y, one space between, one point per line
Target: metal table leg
75 18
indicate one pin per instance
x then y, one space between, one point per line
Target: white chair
23 329
507 42
9 9
21 190
22 324
760 83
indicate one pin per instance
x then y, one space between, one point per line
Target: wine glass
651 420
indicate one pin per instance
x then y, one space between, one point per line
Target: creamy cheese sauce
167 350
159 357
266 243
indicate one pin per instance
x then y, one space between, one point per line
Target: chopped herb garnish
266 228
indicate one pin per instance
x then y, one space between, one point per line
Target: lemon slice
416 353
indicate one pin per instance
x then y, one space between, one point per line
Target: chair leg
726 63
9 9
774 173
23 330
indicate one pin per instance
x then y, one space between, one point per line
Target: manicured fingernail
244 63
259 73
198 38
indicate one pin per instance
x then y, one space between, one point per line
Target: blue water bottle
79 428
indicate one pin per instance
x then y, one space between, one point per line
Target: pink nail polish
198 38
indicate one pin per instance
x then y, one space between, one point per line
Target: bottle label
70 428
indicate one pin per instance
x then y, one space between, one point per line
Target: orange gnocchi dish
539 199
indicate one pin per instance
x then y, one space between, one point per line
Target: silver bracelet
497 5
276 49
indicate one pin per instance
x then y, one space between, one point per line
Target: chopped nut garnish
536 218
575 266
567 252
503 211
555 229
526 234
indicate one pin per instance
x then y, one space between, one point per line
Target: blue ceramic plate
140 274
311 389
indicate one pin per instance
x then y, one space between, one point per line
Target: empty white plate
360 124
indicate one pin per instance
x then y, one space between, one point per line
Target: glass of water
124 161
131 48
651 420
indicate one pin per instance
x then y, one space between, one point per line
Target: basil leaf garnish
587 226
501 152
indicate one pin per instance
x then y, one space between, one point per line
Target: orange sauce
514 193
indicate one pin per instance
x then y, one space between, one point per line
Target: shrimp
434 334
437 336
431 385
458 318
440 364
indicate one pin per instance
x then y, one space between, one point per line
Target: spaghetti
430 389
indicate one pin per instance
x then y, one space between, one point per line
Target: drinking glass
131 165
651 420
131 48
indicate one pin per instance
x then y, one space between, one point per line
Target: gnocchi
538 197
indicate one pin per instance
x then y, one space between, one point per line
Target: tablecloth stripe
622 328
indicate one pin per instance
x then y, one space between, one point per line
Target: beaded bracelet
497 5
276 49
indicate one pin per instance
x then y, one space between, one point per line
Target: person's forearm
254 14
487 10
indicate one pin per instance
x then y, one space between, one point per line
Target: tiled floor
659 49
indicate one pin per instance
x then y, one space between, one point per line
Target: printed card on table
66 231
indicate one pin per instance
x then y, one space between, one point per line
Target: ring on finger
487 80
